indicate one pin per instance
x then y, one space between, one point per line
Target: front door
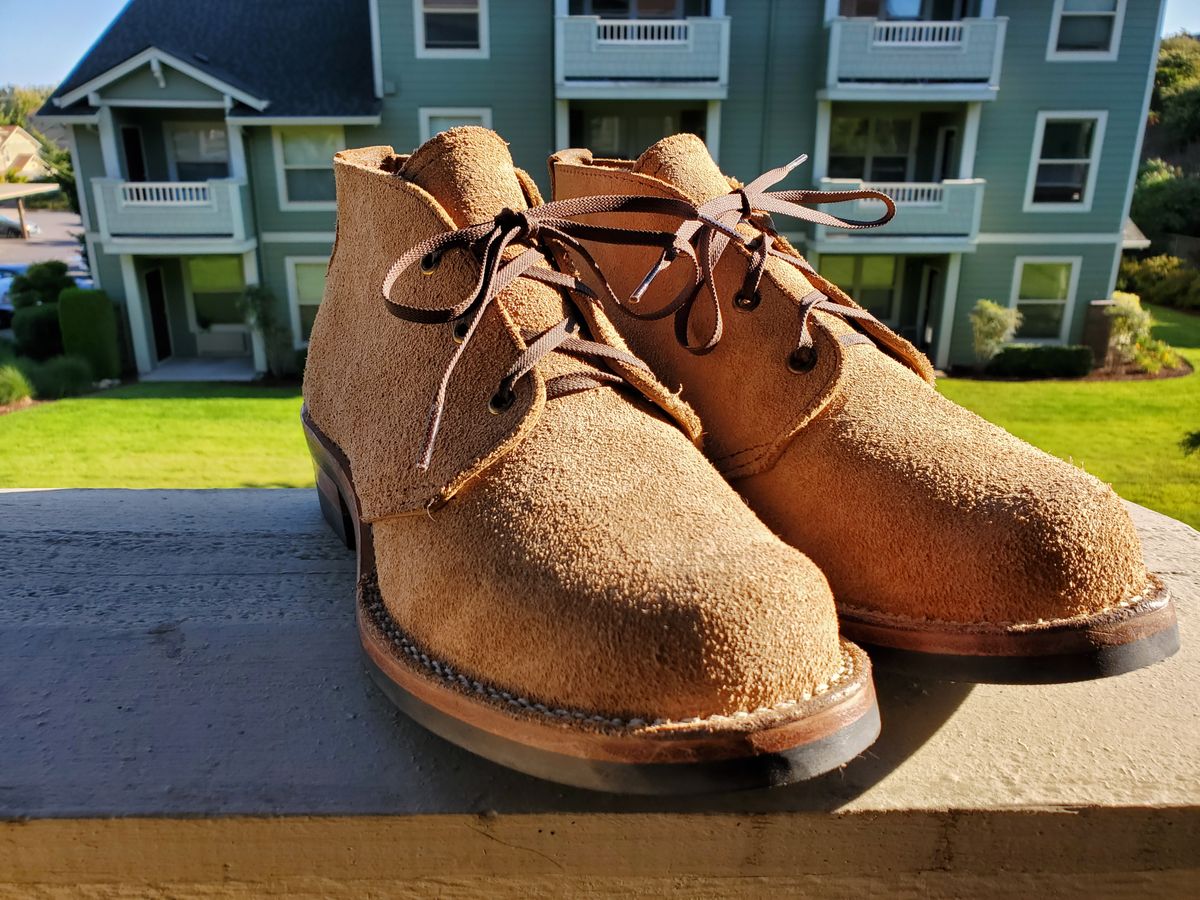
156 300
135 157
931 287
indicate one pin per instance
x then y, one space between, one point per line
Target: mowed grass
1124 432
159 436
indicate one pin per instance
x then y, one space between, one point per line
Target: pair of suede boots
625 477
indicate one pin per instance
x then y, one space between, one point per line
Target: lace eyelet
460 331
429 262
501 401
746 302
802 360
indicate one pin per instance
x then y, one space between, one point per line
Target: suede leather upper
912 506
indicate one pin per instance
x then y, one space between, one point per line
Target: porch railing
947 209
165 193
219 207
674 31
910 193
917 34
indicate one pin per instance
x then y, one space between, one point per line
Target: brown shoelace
488 241
711 229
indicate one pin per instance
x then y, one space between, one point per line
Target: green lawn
159 436
204 435
1125 432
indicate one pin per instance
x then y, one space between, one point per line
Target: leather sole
766 748
1077 649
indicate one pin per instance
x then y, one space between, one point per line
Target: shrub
1163 280
14 386
41 283
992 325
1166 202
89 329
1131 323
7 352
1152 355
36 331
62 376
1041 361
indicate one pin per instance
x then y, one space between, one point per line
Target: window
1044 292
456 28
197 151
434 120
1062 173
881 9
638 9
216 285
304 166
1086 30
871 280
624 130
870 149
306 287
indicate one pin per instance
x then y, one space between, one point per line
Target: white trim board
483 51
1076 263
1100 116
303 120
426 113
153 56
1053 54
1043 238
293 296
297 237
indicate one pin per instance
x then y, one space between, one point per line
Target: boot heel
333 507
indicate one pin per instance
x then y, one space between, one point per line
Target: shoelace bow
537 226
712 228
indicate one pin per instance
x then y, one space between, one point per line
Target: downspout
765 128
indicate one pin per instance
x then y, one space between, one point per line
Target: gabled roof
275 58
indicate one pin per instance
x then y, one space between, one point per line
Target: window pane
878 271
201 171
310 185
1085 33
452 5
452 31
310 282
903 9
215 274
839 270
1040 320
218 309
200 143
308 315
1060 183
847 167
1068 139
876 301
892 136
889 168
1045 281
310 146
438 124
612 9
848 136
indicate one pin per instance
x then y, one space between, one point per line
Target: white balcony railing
171 209
647 59
959 60
612 31
949 209
165 193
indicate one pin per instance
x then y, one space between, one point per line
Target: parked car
8 271
11 228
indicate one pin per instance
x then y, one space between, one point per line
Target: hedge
1038 361
36 331
89 329
63 376
41 283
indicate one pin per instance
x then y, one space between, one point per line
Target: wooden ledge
184 711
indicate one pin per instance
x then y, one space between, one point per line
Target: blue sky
75 25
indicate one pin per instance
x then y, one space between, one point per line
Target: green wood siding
142 85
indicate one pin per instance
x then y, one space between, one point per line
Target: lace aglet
663 261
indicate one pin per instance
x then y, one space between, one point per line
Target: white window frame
293 292
1076 263
171 125
427 113
423 52
285 203
1100 116
1053 54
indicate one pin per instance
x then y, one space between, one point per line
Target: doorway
947 144
135 153
927 301
156 301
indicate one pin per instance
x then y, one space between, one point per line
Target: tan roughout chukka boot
551 574
952 547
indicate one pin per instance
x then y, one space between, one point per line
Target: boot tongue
682 160
469 171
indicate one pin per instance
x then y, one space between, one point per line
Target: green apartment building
1007 130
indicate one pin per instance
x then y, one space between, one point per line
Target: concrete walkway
191 656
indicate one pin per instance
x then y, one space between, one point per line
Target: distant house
1007 130
20 153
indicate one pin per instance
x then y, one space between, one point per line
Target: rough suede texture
591 558
912 506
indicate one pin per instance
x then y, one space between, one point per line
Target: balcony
218 209
945 214
873 59
647 59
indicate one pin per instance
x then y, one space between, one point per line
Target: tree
17 104
1176 99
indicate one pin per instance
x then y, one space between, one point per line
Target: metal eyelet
460 331
429 262
746 302
802 360
501 401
